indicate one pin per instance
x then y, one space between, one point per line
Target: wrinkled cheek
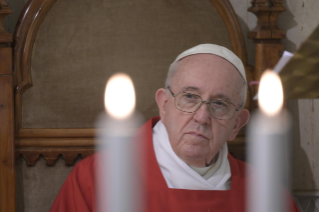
221 135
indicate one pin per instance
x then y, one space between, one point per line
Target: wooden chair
54 69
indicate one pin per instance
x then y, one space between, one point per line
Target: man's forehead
209 83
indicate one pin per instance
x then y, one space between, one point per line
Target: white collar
209 171
180 175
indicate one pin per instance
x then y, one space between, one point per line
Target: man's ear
241 120
161 100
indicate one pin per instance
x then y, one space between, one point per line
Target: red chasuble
78 193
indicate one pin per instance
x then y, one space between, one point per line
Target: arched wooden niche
65 51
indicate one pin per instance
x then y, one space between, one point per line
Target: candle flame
119 98
270 93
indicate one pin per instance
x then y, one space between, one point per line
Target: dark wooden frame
7 153
31 143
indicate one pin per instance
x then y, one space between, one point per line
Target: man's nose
202 115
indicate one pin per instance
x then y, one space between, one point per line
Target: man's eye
190 96
219 104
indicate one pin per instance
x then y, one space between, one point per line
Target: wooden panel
7 170
55 142
6 60
56 133
7 162
6 37
267 56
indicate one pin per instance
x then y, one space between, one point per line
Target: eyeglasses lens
189 103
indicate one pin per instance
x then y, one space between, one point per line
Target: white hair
174 67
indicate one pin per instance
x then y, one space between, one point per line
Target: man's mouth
196 134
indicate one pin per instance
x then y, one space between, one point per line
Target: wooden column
7 159
266 35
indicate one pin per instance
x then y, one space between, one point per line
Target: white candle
267 149
117 183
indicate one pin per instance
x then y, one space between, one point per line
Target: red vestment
78 193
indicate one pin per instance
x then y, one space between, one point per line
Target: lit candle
267 151
117 184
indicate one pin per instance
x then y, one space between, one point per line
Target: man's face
197 137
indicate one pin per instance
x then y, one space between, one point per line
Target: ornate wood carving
267 12
51 154
51 143
267 37
7 162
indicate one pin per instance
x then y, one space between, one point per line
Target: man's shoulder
86 165
88 160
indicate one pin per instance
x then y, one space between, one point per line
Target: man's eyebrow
190 88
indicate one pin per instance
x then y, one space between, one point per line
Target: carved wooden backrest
66 50
67 57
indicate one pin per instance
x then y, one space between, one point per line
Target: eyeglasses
190 103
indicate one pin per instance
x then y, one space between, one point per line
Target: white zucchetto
216 50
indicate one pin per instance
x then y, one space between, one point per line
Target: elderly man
188 167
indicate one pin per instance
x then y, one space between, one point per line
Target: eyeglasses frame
203 101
